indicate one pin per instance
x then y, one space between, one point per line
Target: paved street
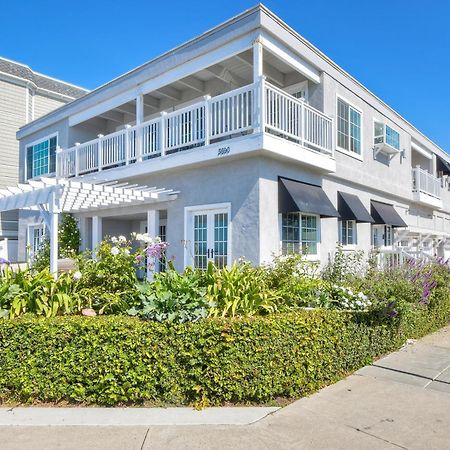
403 401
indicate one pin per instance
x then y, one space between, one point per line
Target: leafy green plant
241 290
38 293
172 297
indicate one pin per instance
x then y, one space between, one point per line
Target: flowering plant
341 297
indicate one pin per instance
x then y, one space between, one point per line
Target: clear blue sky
400 49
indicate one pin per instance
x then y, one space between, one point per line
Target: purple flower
4 261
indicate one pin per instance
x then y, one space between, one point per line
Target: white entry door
208 237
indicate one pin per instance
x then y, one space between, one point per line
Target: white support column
127 144
257 60
139 121
152 231
97 233
54 217
259 79
433 165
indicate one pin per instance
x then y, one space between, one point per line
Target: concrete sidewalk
403 401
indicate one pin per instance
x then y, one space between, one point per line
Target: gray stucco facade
242 170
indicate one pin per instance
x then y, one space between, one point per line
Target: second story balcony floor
213 121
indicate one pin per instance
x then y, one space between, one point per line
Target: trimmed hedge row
112 360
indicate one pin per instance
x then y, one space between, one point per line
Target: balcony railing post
162 135
127 144
207 119
303 123
77 158
100 152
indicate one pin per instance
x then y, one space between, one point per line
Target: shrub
295 279
118 360
108 281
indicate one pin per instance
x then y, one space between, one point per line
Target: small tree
69 236
68 240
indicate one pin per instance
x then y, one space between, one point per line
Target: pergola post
97 233
152 231
54 217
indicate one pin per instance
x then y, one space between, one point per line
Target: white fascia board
296 62
421 150
201 62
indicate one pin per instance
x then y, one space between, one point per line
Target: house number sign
223 151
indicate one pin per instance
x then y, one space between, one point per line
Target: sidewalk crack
378 437
145 438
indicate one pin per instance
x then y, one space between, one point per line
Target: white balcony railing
256 107
425 182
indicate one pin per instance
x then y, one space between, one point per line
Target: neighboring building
245 141
25 95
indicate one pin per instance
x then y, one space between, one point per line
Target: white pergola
52 197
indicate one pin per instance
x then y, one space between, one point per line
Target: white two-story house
244 141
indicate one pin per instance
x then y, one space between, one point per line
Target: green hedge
112 360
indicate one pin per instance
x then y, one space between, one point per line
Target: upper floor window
41 158
299 233
384 134
348 127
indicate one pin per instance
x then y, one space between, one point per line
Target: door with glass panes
209 238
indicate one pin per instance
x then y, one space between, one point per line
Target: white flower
114 240
115 251
77 275
122 239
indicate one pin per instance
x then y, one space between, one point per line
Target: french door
209 237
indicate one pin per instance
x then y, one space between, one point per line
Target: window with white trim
348 127
41 158
36 236
299 233
384 134
347 232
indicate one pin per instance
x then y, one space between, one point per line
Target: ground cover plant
238 334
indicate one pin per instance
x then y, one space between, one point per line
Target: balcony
249 110
426 188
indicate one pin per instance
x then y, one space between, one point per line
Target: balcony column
258 78
433 163
152 231
139 121
257 60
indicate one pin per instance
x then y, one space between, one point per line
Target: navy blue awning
350 207
306 198
385 214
